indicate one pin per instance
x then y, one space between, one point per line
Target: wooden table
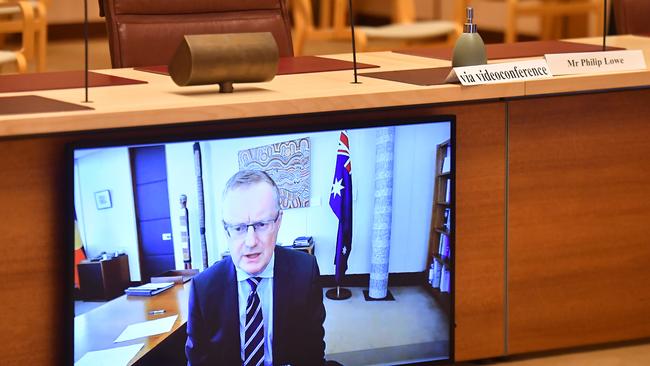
98 328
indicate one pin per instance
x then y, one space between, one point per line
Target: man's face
251 249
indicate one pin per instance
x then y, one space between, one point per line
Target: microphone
354 46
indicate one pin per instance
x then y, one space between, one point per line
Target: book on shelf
447 219
149 289
448 282
444 279
444 246
437 271
448 191
446 162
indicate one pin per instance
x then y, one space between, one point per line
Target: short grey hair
249 177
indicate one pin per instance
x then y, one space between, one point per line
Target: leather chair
631 16
147 32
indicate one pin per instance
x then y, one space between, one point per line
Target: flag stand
338 293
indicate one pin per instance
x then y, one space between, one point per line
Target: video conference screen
373 206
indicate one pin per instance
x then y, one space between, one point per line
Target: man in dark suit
263 305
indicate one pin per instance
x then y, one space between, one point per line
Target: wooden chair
40 36
404 28
23 24
39 11
550 11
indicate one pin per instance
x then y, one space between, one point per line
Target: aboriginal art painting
288 163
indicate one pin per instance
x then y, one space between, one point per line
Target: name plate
595 62
506 72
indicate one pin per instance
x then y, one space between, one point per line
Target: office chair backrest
147 32
631 16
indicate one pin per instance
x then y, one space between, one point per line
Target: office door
152 210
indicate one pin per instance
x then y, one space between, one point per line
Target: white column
382 215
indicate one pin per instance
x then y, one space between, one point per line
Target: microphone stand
86 50
604 25
354 46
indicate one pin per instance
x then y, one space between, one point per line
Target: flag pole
354 46
341 203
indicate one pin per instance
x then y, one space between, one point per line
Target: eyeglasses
238 231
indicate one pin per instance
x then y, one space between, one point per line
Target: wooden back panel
32 253
579 220
480 230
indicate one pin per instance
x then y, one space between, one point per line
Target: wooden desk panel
32 252
480 223
36 189
579 220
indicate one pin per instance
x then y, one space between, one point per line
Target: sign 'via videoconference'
505 72
552 65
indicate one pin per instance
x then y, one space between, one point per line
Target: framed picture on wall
103 199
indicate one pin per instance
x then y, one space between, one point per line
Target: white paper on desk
148 328
117 356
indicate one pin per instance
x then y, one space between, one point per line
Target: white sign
500 73
595 62
147 328
118 356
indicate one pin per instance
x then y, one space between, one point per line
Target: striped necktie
254 329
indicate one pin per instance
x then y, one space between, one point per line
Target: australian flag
341 204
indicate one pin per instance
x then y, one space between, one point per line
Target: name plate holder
595 62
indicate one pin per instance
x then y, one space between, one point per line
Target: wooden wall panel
480 230
31 252
579 220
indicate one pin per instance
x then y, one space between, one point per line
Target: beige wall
490 14
72 11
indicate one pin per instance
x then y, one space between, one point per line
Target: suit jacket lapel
281 294
231 313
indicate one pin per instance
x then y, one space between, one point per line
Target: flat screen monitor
150 211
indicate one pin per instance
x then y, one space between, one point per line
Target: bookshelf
439 255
